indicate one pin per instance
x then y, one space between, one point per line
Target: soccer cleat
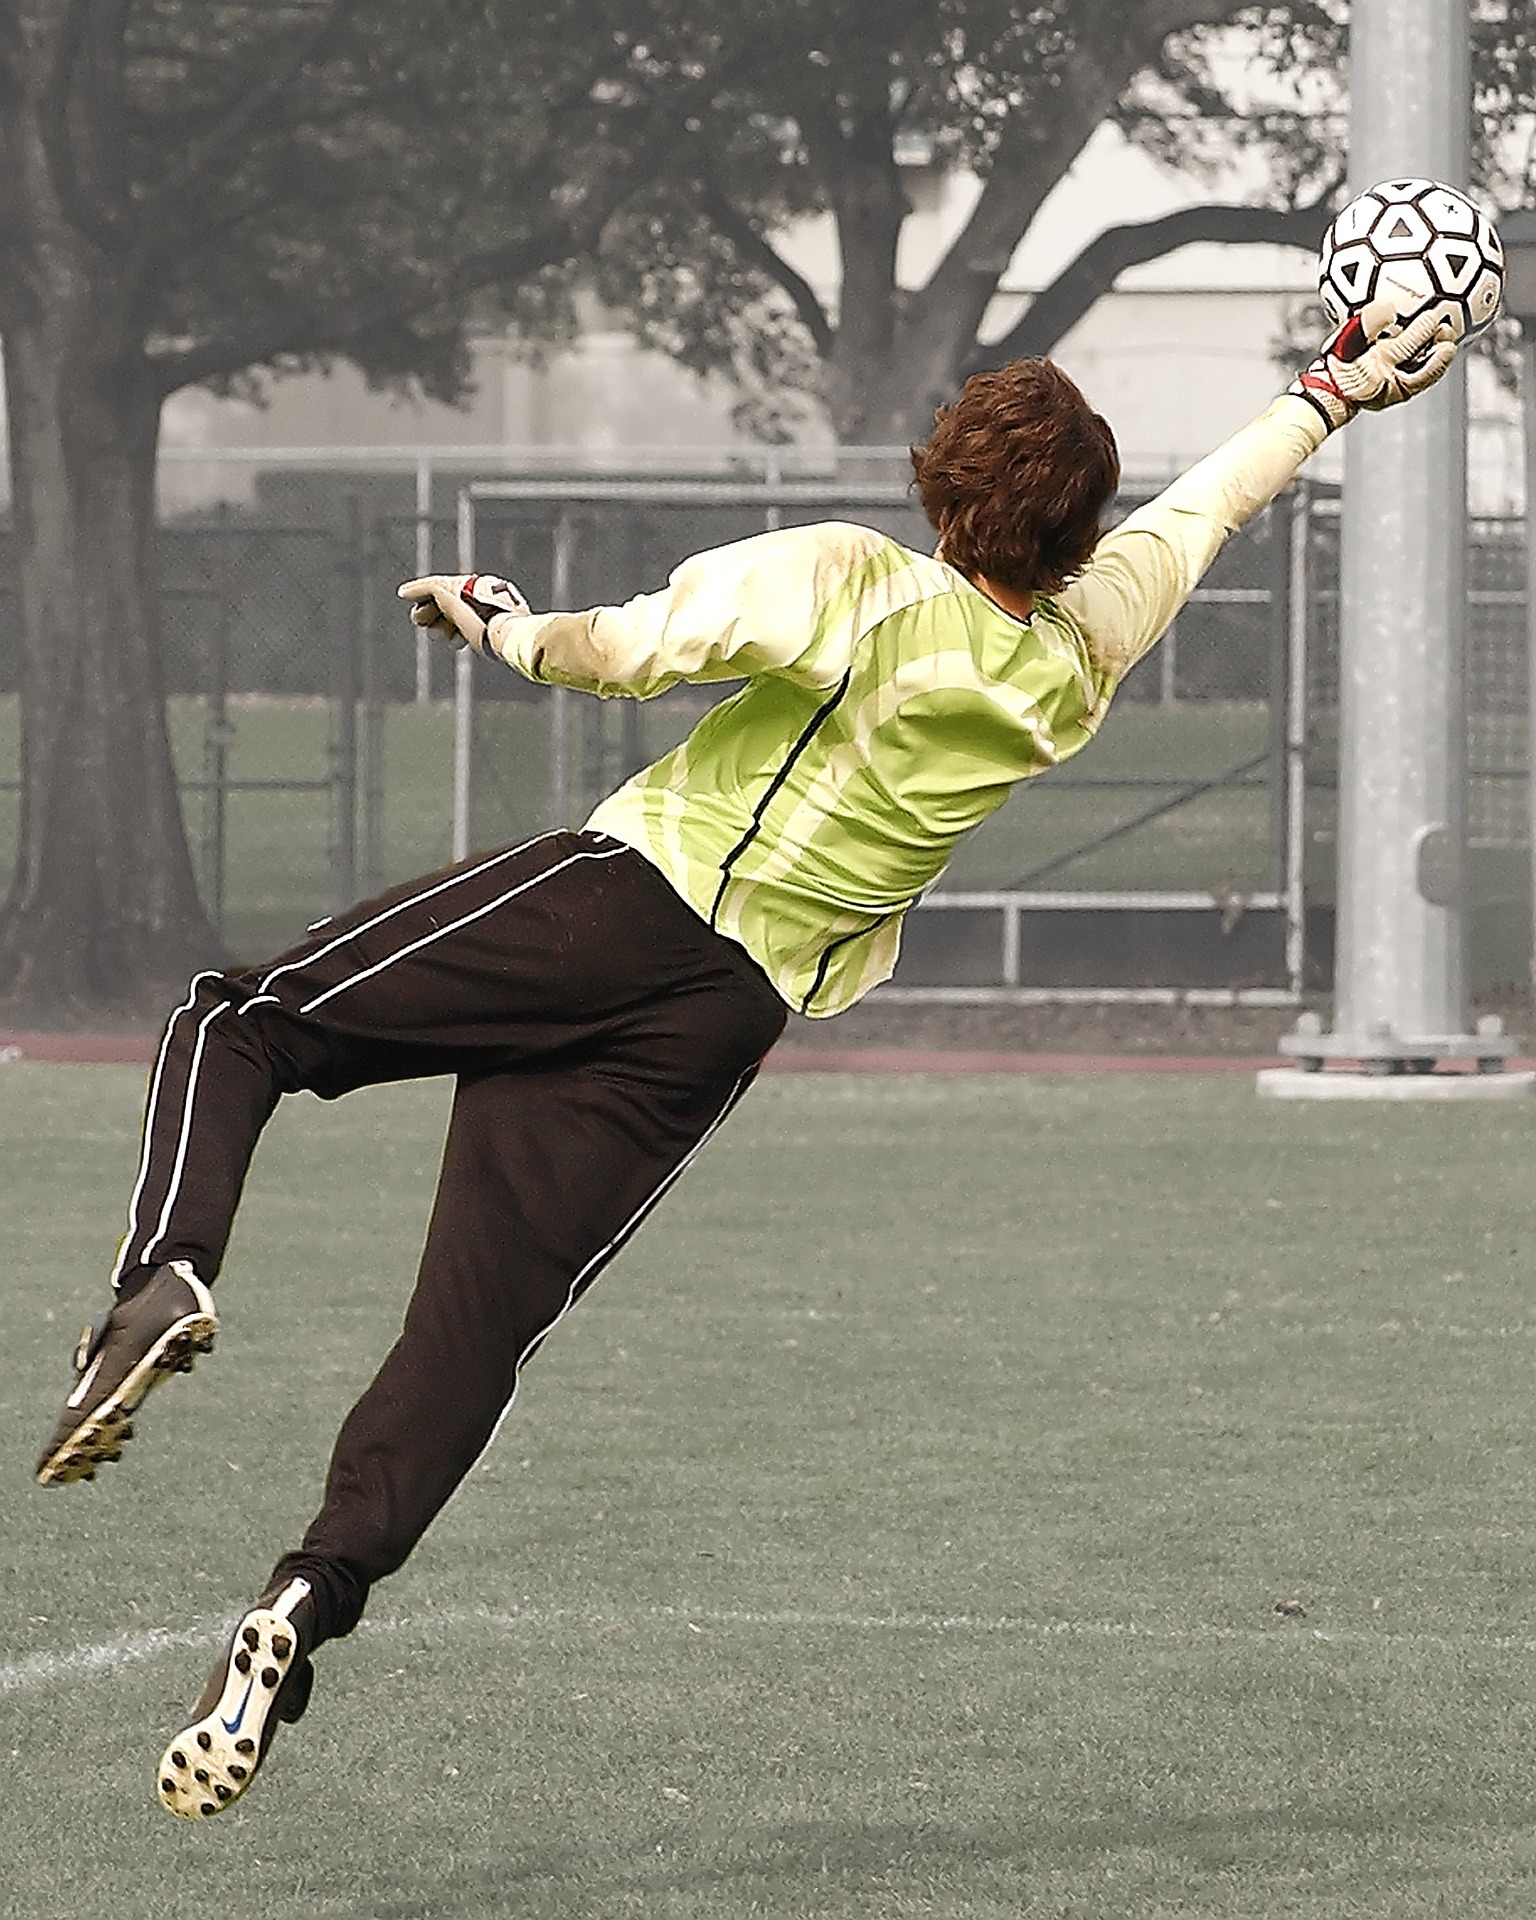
122 1354
264 1676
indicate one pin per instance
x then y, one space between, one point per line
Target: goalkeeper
603 998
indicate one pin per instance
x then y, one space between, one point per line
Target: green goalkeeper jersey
888 706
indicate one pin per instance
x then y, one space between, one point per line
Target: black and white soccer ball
1408 247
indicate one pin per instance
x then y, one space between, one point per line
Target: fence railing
325 753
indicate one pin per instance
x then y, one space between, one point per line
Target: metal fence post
217 731
1168 667
1292 698
1528 413
423 566
373 711
560 783
344 719
1280 526
463 690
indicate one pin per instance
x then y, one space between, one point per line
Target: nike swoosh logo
85 1382
233 1726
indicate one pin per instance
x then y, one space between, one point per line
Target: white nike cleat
263 1677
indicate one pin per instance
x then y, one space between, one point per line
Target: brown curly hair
1015 476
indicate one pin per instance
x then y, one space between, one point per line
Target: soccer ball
1407 247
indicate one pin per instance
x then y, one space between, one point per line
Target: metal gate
1203 728
1187 853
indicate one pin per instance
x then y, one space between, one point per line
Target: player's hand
1353 371
458 607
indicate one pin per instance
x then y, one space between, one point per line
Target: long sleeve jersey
888 706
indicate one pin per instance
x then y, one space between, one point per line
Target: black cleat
263 1676
122 1354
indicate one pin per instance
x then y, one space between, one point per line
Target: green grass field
278 865
896 1531
278 858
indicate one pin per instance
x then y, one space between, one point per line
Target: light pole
1400 997
1518 232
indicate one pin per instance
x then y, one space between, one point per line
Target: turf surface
897 1530
278 853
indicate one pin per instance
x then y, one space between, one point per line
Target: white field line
43 1669
39 1670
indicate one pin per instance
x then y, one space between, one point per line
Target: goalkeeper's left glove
1354 371
458 607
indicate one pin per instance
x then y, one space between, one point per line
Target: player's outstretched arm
1350 372
1144 570
752 606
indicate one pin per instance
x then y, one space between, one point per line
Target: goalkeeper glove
1354 371
458 607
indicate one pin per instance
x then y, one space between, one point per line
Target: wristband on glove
1353 371
459 607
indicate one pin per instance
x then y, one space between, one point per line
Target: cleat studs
208 1806
270 1676
236 1771
242 1661
204 1739
251 1638
222 1791
245 1746
167 1785
178 1758
201 1776
282 1646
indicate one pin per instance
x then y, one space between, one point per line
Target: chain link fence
324 752
1173 834
1496 675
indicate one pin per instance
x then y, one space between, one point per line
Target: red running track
132 1049
138 1049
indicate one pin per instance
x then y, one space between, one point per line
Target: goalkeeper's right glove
458 607
1354 371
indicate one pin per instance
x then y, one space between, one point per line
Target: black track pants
599 1032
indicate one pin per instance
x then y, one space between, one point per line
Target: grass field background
279 848
897 1530
278 855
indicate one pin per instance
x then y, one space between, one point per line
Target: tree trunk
869 205
884 388
103 918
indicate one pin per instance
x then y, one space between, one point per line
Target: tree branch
234 117
301 329
757 252
1160 18
329 326
1036 150
1058 307
573 225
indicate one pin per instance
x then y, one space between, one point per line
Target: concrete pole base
1297 1083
